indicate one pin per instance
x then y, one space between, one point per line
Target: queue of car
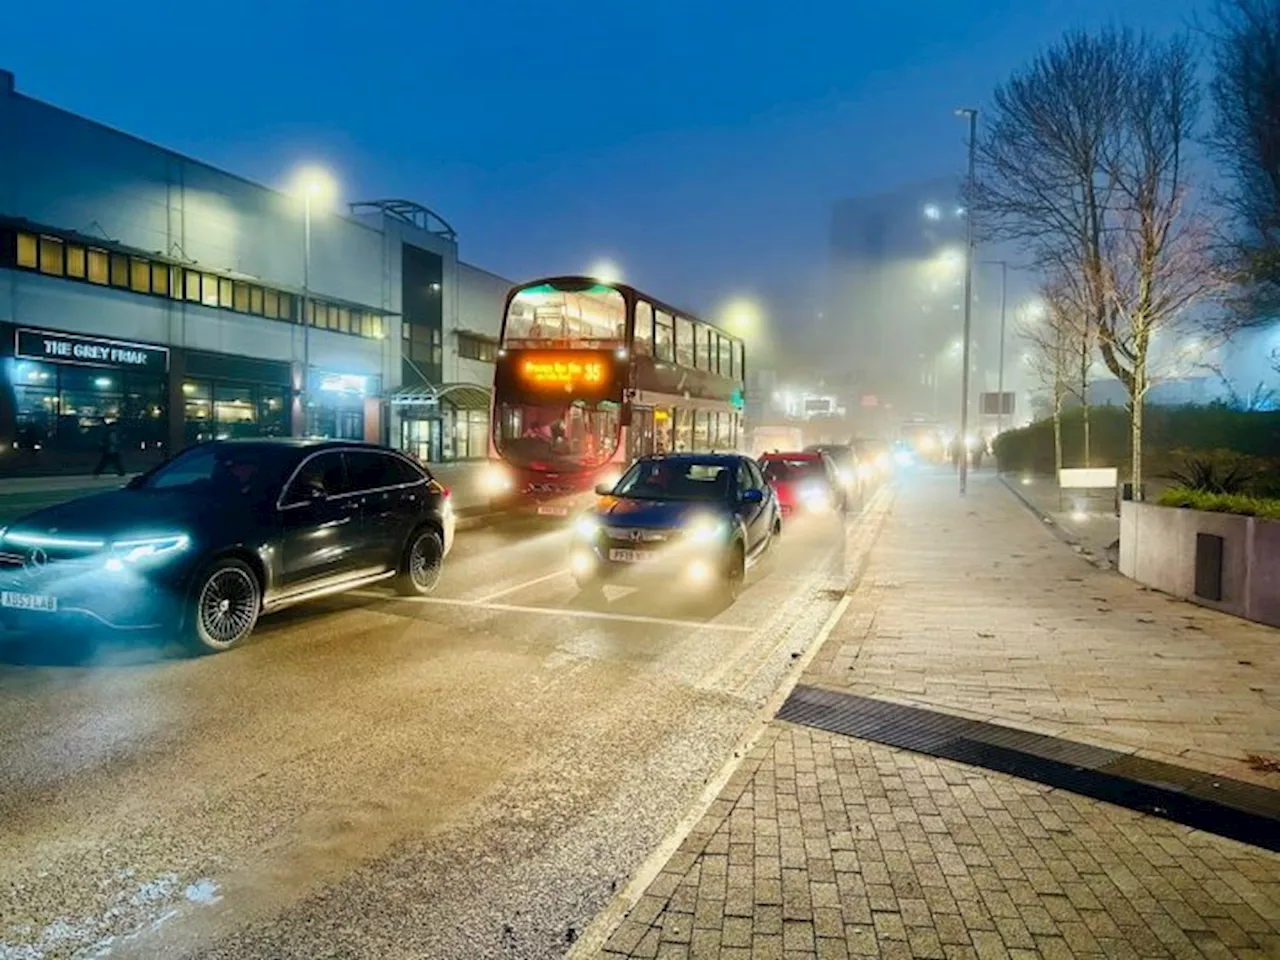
204 544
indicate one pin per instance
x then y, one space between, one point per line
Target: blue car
697 520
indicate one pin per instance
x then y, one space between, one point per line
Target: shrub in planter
1236 503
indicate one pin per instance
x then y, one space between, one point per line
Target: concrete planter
1218 560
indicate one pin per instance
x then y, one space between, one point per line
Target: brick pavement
971 608
823 846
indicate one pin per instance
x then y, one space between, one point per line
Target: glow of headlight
133 551
882 461
699 571
702 529
582 562
865 471
586 527
902 458
37 540
495 478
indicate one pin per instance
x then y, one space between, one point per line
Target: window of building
472 347
286 307
255 300
642 341
664 336
139 276
98 266
271 304
226 295
192 282
75 261
344 320
684 342
28 251
209 290
160 278
51 254
120 270
240 297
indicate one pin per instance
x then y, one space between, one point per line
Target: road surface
471 775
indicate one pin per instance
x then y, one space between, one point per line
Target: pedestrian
979 450
956 451
110 455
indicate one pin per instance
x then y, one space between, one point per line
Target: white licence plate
29 601
631 556
549 511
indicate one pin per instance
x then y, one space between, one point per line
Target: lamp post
972 114
315 185
1004 293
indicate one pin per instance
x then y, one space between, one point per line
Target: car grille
630 535
35 559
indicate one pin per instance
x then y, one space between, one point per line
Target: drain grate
1220 805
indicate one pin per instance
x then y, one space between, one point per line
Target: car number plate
631 556
550 511
29 601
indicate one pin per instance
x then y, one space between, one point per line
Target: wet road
470 775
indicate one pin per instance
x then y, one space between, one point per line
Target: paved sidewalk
971 608
826 846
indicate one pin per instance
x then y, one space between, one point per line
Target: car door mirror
306 491
604 489
753 496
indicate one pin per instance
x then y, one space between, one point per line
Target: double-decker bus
592 375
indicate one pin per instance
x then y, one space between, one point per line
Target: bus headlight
495 479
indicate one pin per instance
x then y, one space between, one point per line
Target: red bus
592 375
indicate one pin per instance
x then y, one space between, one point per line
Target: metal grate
1219 805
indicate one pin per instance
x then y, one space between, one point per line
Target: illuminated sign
348 383
90 351
564 373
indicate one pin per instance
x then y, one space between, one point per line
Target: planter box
1218 560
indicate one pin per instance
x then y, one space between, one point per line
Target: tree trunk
1135 437
1057 440
1085 357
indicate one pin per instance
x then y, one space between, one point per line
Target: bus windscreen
543 313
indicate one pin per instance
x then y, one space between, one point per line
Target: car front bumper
87 596
679 564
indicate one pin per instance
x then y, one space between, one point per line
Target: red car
805 482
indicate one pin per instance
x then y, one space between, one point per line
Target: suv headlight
587 527
146 550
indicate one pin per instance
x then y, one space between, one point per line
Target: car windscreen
676 480
790 471
219 468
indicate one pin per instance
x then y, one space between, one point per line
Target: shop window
255 300
75 261
226 297
99 268
51 253
28 251
240 297
234 410
120 271
35 395
271 304
197 411
160 279
273 412
139 276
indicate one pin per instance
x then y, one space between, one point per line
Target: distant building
142 288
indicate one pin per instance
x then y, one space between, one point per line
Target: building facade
161 301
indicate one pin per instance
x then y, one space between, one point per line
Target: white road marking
557 612
521 586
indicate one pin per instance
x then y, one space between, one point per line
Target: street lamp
1004 292
316 186
972 115
742 318
606 271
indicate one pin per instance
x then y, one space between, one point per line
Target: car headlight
146 550
587 527
846 475
883 462
865 471
903 458
815 497
705 529
495 479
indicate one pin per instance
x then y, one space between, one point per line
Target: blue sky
699 144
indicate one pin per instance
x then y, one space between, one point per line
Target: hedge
1172 435
1264 507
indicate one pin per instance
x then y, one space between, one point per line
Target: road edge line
597 933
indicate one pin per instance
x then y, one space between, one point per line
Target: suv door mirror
604 489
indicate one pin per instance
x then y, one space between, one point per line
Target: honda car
223 532
697 521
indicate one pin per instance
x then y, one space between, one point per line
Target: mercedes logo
36 561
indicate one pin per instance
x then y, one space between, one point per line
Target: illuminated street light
742 317
315 186
931 212
606 271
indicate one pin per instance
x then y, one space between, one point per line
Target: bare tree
1245 91
1084 163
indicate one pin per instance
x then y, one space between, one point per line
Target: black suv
223 532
